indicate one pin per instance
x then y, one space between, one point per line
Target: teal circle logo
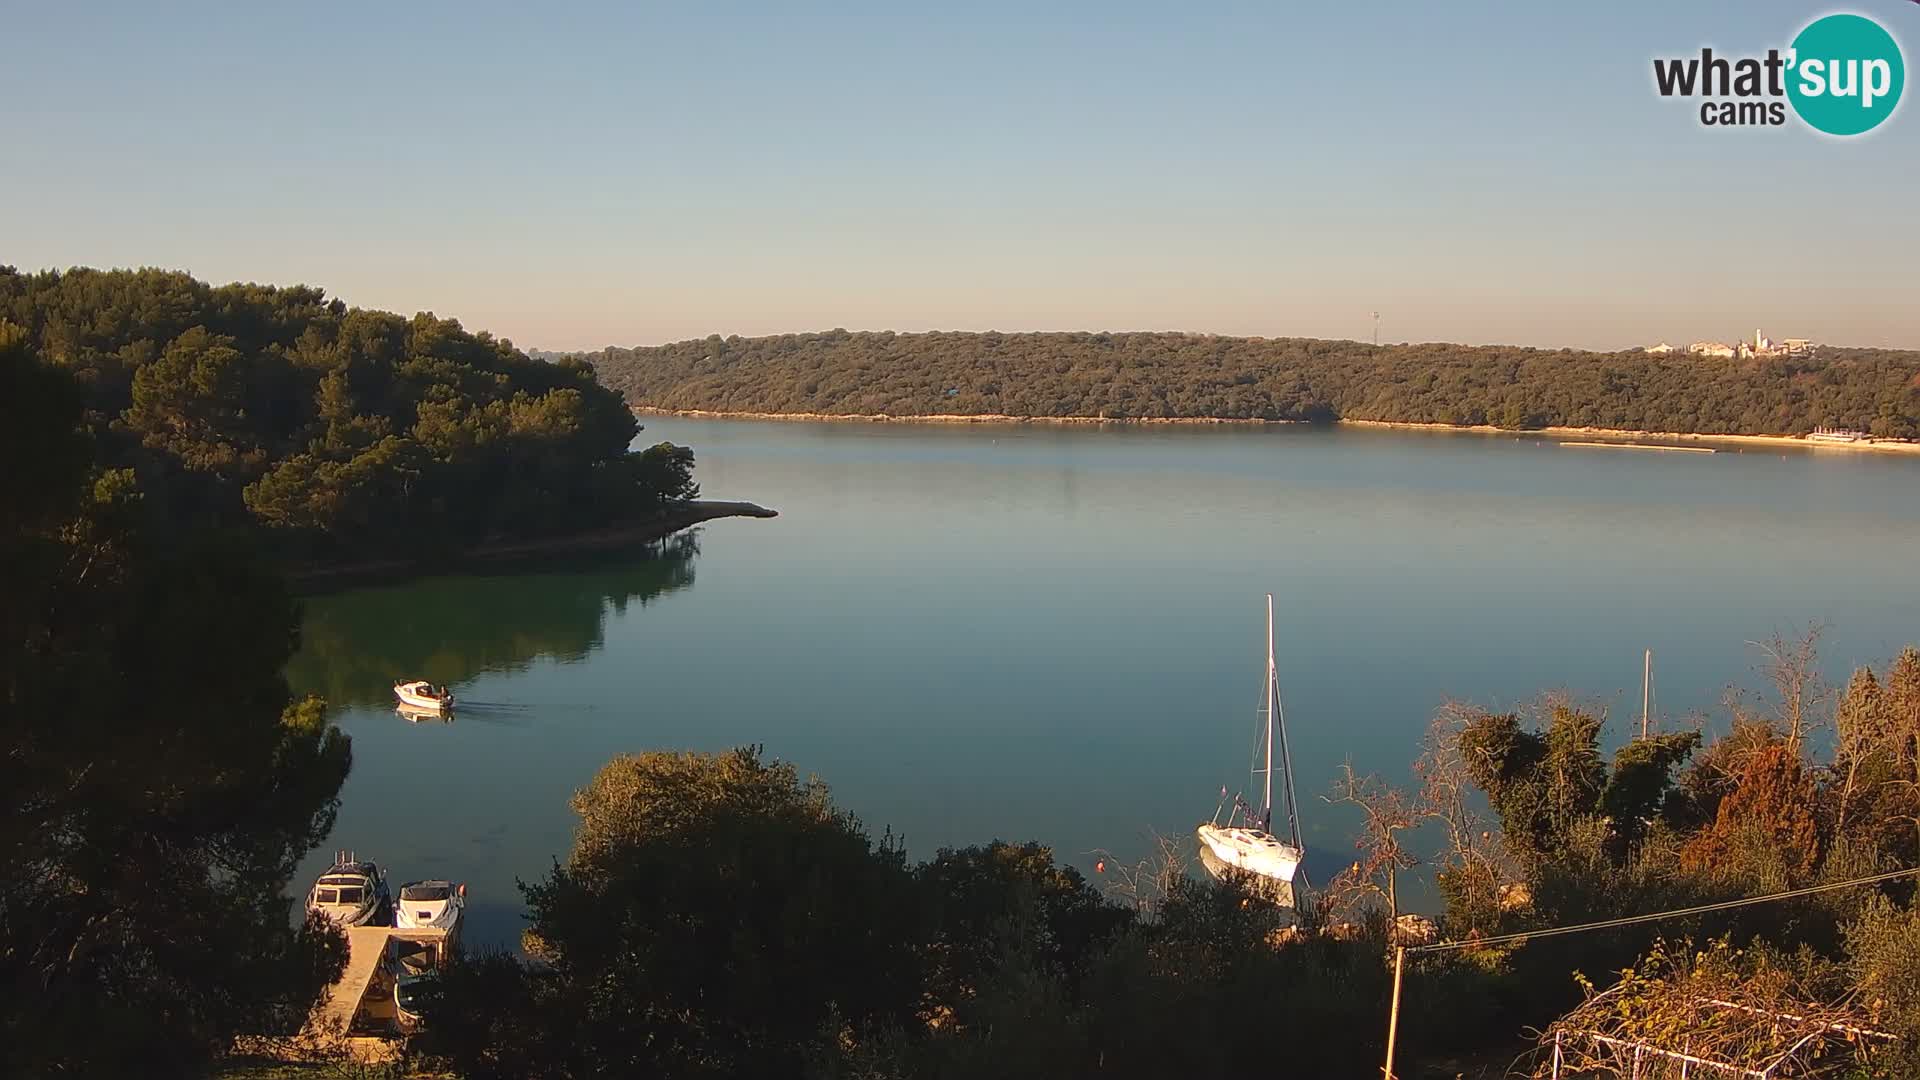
1846 74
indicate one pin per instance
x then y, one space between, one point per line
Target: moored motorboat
431 904
352 892
420 694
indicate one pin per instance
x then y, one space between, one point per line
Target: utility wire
1607 924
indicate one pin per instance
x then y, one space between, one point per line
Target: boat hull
431 912
371 900
412 698
1230 854
1278 893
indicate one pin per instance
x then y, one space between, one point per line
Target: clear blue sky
618 173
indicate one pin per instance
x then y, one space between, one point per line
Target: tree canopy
715 914
1126 376
335 431
157 782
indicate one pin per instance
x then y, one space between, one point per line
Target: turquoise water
1055 633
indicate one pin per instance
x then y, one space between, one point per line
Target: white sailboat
1244 842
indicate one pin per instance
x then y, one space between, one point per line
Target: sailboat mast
1277 718
1267 804
1646 692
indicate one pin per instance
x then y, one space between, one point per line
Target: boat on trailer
1239 843
423 695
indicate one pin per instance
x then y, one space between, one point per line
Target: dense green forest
1164 375
158 783
334 431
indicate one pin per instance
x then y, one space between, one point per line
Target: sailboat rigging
1245 844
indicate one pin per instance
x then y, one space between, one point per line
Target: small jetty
366 1012
1597 445
361 1003
357 1018
343 1003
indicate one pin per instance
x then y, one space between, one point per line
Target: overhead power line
1400 952
1630 920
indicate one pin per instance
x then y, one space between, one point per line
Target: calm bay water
1055 633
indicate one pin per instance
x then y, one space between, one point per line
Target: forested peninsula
332 436
1165 376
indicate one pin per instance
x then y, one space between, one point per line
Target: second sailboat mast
1267 805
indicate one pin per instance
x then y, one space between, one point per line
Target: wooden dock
366 947
361 1001
1641 446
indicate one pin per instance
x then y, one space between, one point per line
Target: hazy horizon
535 346
604 175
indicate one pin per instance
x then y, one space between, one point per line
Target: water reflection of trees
354 645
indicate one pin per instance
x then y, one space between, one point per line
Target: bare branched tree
1474 849
1387 811
1793 667
1146 883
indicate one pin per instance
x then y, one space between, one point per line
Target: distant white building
1763 346
1760 346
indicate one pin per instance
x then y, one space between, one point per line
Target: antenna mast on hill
1376 329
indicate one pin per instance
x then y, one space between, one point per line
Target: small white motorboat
431 904
423 695
351 893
